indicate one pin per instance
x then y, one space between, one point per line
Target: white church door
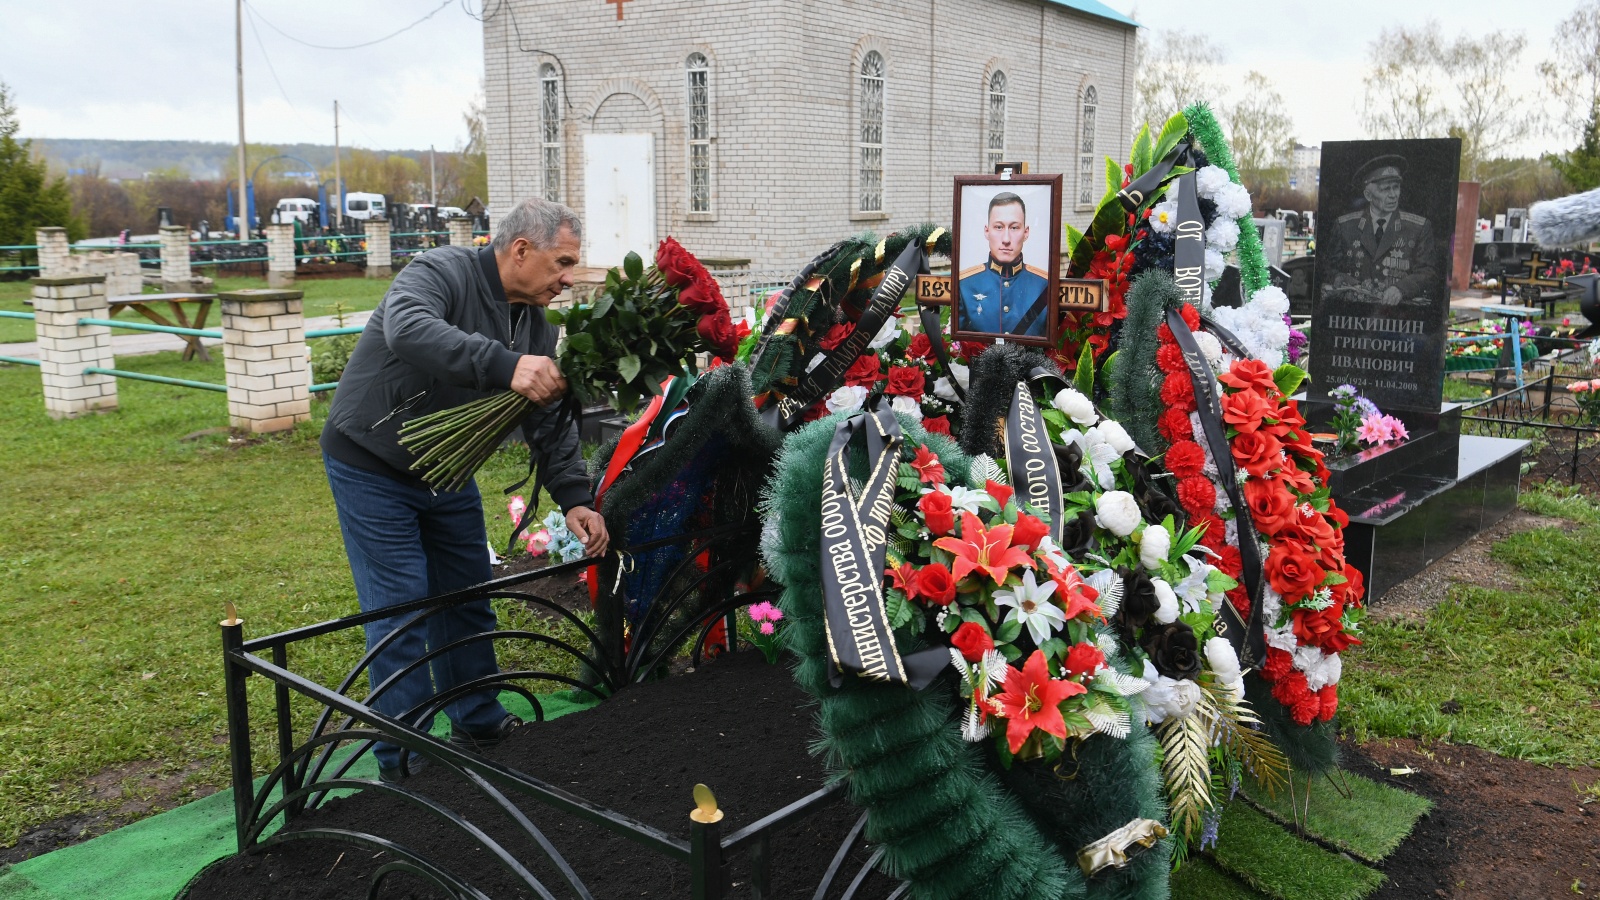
619 184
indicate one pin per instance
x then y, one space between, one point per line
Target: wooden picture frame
996 297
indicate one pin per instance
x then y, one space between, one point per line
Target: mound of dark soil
739 725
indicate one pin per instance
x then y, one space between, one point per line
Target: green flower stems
452 444
1206 129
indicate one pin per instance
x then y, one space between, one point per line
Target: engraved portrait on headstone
1386 214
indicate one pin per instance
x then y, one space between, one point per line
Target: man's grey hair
538 222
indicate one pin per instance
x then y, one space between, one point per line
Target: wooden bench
145 305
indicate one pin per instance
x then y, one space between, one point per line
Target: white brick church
768 129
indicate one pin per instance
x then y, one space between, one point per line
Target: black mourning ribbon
828 374
934 329
1189 245
1247 636
1134 195
854 542
1035 474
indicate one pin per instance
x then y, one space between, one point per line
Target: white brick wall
783 89
176 275
280 255
67 348
264 345
380 260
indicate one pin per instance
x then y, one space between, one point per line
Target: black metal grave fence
1565 437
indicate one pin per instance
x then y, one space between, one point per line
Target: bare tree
1175 69
1405 87
1262 133
1573 74
1489 116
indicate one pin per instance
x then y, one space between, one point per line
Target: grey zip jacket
441 337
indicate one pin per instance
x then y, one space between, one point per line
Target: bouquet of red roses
644 325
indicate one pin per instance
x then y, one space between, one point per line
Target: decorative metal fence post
380 261
67 348
53 251
460 229
264 345
280 255
175 272
238 727
705 847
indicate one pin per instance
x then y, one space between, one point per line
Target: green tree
1580 166
29 197
1263 135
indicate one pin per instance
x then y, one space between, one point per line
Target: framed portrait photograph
1006 258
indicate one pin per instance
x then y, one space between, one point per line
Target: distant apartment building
769 129
1305 169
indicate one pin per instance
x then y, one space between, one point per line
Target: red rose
1354 587
920 346
1271 507
1257 452
936 425
1084 659
1292 570
1294 478
905 381
935 584
1290 420
1278 664
1312 529
1185 459
717 330
936 512
1328 698
1197 495
972 640
741 330
677 265
864 372
1250 375
970 350
1244 410
835 336
1322 628
1178 392
1174 425
704 297
1028 531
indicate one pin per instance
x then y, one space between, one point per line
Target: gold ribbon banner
1111 851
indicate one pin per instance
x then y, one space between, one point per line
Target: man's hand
1392 295
539 379
590 527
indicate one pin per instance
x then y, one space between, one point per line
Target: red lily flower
1032 699
1077 595
904 577
929 469
985 550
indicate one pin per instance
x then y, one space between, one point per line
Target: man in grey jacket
458 323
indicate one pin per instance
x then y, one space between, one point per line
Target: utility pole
433 184
242 223
338 185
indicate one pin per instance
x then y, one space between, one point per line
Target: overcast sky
101 69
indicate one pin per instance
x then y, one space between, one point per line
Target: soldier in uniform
1004 296
1380 254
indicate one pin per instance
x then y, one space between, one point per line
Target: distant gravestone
1386 215
1271 232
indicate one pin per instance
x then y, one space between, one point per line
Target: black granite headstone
1382 297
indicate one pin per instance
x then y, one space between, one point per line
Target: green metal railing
17 249
8 314
319 388
158 379
159 329
330 332
19 360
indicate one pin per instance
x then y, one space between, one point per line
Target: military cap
1381 168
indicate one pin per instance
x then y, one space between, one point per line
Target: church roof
1095 8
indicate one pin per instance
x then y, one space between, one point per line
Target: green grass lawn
122 536
1523 666
323 297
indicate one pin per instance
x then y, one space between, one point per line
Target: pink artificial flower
1579 387
1566 320
517 507
538 541
766 628
1397 429
1374 430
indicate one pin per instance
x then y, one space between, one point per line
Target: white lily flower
885 335
1049 549
965 499
1030 605
1191 590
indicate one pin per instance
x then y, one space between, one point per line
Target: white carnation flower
1166 602
1154 544
1214 264
1223 234
1210 348
1117 512
1271 300
847 399
1075 406
1164 216
1210 180
886 334
1114 434
1222 661
907 406
1232 201
1326 670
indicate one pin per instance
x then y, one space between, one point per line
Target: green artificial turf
123 534
323 297
1521 665
1200 879
1261 854
1369 825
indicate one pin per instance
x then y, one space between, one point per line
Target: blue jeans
404 543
